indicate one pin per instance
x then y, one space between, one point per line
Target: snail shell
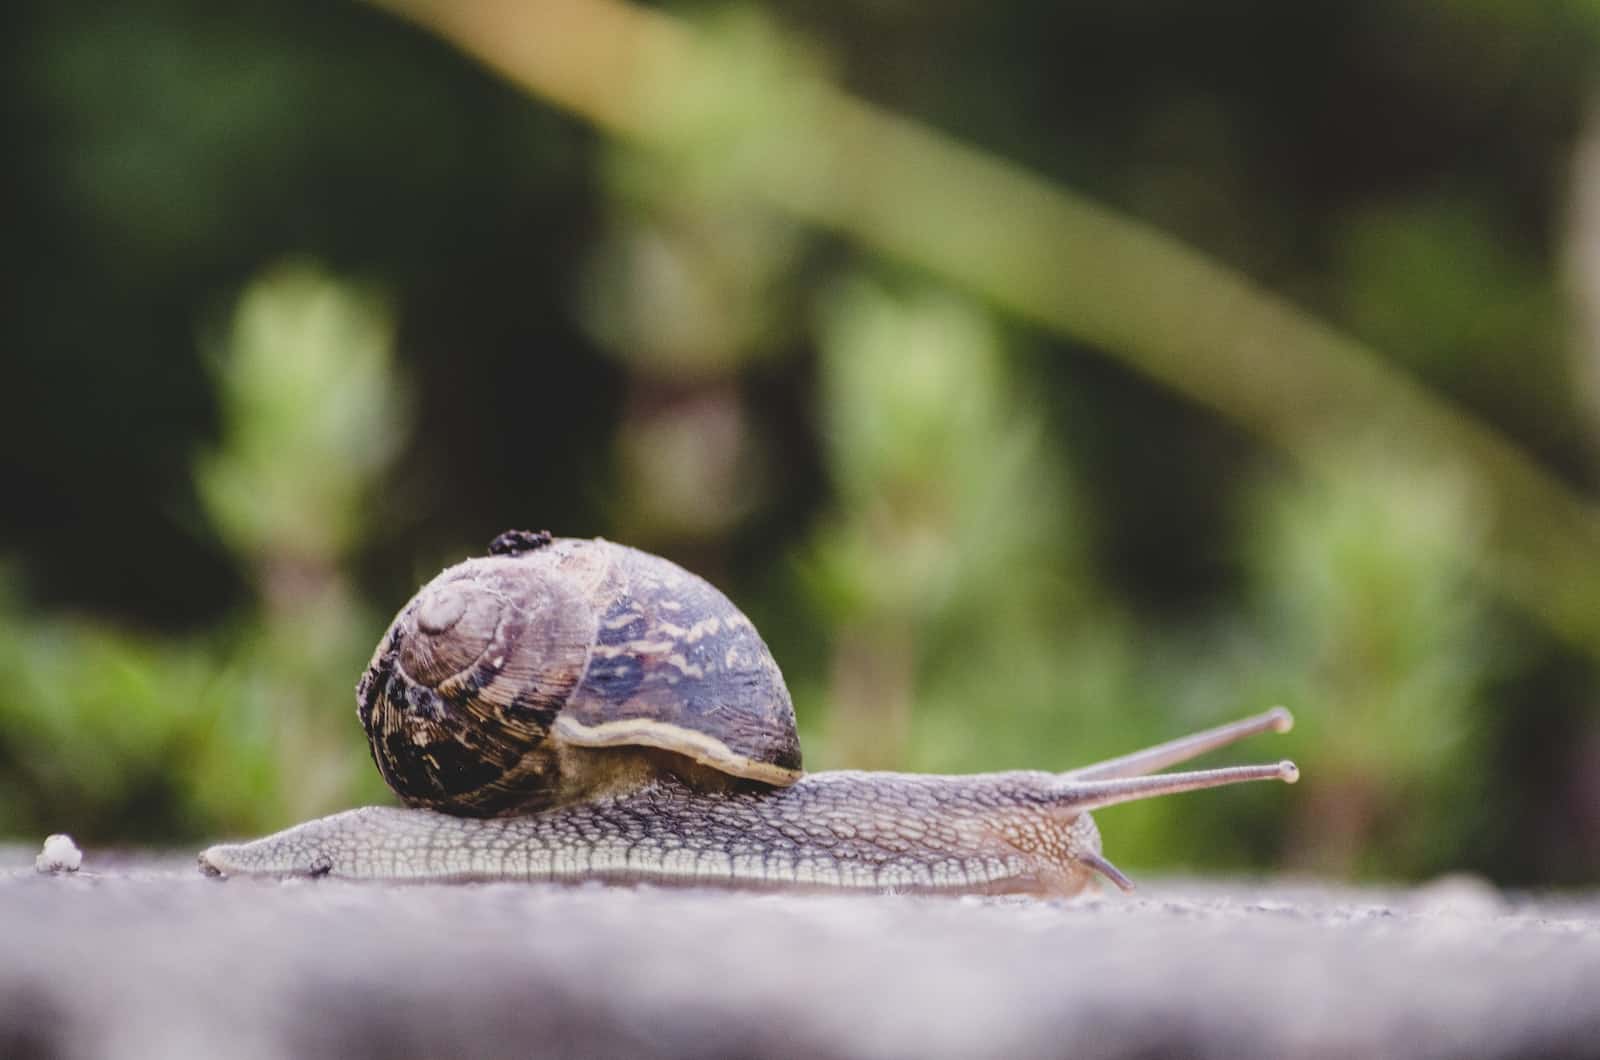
497 682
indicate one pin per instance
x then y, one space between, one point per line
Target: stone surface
147 958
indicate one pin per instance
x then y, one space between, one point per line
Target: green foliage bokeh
307 305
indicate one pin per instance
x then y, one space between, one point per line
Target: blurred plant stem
312 416
738 103
1363 591
945 492
684 290
871 685
251 725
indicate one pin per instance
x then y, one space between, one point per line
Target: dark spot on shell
614 680
442 768
403 692
613 635
512 542
531 705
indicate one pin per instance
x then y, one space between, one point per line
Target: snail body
574 710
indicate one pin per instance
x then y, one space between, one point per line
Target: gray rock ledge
151 959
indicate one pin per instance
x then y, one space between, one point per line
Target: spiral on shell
502 674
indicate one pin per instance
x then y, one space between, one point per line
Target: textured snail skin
989 833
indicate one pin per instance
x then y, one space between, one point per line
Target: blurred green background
305 304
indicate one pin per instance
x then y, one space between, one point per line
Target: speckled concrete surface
144 957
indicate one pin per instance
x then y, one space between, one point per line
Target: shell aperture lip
691 743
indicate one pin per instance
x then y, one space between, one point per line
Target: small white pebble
60 854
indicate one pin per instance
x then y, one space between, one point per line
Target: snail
570 710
